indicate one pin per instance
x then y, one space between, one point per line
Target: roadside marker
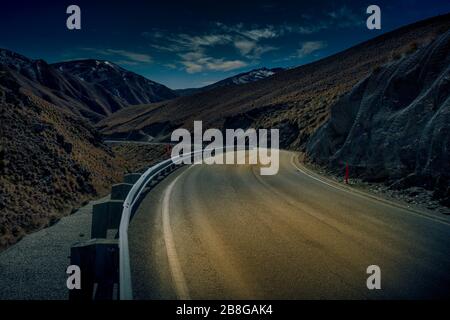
347 173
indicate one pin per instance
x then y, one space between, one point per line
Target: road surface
225 232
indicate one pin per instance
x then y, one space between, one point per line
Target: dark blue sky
194 43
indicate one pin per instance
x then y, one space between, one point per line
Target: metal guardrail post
131 178
105 215
120 191
98 260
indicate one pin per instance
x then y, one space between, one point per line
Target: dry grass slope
53 161
50 162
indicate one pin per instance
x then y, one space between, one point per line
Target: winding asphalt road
225 232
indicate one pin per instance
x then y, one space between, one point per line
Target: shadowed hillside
50 162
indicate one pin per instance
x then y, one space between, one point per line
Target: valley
264 150
64 111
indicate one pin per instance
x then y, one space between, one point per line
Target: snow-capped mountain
92 89
127 86
241 78
252 76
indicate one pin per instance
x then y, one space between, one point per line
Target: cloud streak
122 56
192 50
310 47
344 17
199 52
133 56
195 62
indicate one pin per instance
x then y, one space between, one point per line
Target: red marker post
168 150
347 173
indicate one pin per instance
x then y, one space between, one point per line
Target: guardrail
105 261
125 287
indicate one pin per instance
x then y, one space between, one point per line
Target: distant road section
225 232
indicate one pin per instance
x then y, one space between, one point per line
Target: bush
376 69
396 56
412 48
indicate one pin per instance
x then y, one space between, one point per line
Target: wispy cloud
306 29
184 42
122 56
170 65
251 49
192 50
344 17
255 33
247 41
198 52
195 62
310 47
133 56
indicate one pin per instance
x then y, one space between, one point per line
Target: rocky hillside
92 89
50 161
297 101
395 125
124 87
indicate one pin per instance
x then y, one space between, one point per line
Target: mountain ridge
240 78
112 78
297 100
94 99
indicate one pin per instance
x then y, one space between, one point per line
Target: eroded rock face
395 125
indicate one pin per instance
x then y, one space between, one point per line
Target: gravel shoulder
35 267
413 198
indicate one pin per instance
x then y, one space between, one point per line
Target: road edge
295 161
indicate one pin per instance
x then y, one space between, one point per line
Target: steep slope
297 100
241 78
395 125
42 80
125 87
50 161
92 89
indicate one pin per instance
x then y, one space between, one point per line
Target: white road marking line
371 197
312 177
174 264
